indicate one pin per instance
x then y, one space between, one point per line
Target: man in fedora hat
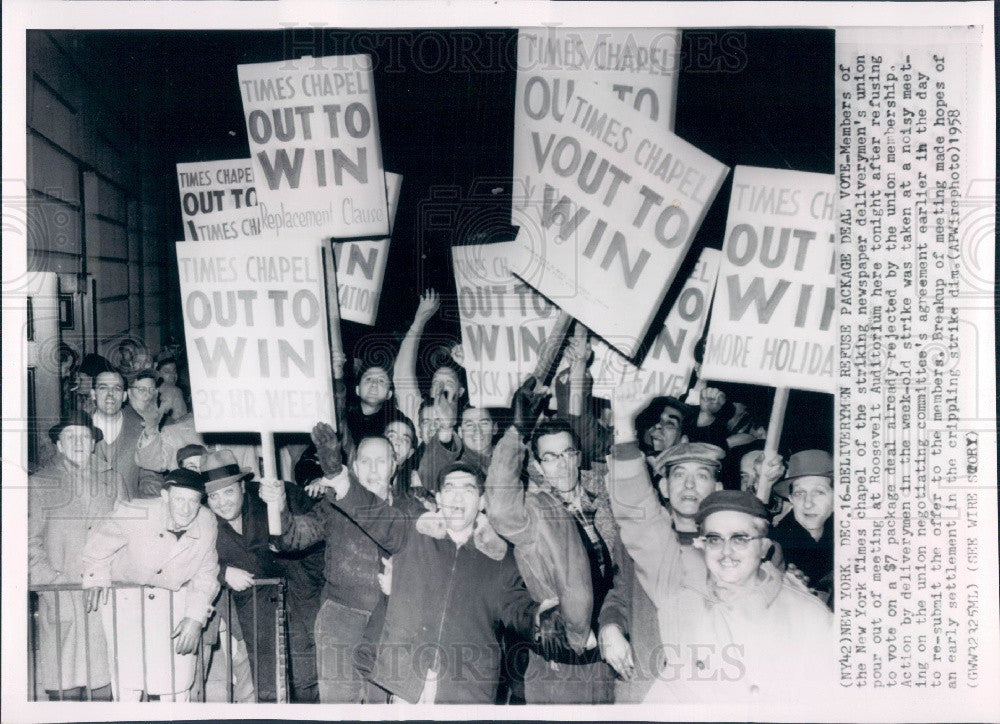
732 626
167 546
66 499
243 545
806 536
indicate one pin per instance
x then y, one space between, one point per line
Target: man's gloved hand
328 451
527 405
187 633
550 632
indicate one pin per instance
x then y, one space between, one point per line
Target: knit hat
189 451
738 500
806 463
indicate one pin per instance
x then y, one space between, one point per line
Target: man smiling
806 536
733 627
121 427
453 583
167 545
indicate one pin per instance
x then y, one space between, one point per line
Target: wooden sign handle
777 421
550 351
267 453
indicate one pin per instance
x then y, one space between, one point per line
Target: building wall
92 209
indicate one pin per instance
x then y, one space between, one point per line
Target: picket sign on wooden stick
777 420
333 314
267 453
550 351
548 355
577 372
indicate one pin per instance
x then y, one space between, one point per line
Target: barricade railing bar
56 594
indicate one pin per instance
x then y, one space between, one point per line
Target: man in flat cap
690 473
453 584
733 627
66 499
167 546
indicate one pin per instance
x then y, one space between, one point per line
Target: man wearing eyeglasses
732 627
566 546
121 427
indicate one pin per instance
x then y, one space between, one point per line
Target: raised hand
712 400
430 302
578 349
328 451
528 402
769 467
445 410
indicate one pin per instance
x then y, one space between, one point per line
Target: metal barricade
56 596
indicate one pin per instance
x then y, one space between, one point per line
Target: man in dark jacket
354 560
453 584
243 545
806 536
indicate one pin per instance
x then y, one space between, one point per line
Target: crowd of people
567 550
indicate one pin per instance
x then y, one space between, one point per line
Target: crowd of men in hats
429 551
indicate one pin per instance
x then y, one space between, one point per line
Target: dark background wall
110 113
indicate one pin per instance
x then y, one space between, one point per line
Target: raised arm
404 372
645 526
383 523
505 506
573 390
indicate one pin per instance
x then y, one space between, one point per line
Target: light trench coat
65 502
180 579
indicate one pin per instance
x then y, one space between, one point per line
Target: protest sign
504 322
772 321
218 200
667 366
639 65
314 144
621 199
256 334
361 266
